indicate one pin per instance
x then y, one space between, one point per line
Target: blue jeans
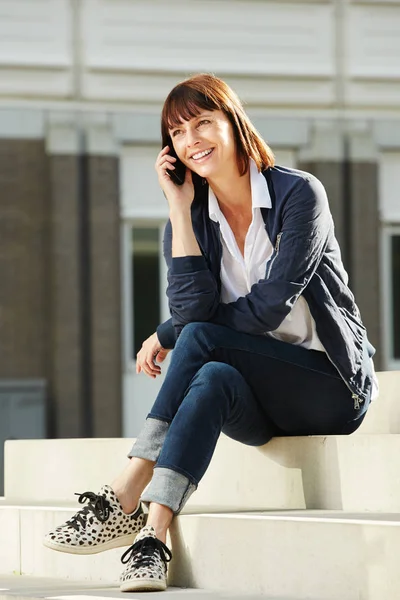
251 388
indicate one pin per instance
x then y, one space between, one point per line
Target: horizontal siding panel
153 88
36 33
35 83
373 94
241 37
373 34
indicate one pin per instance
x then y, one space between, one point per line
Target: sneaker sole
143 585
126 540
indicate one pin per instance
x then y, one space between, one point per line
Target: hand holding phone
178 174
178 189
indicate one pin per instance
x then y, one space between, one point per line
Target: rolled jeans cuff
169 488
150 440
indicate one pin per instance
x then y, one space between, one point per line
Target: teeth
201 154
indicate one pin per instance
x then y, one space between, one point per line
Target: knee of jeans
196 331
214 387
190 329
217 375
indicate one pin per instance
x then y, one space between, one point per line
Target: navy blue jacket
306 260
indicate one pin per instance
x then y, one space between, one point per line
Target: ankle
160 518
128 501
129 485
161 533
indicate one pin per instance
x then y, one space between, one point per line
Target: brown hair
207 92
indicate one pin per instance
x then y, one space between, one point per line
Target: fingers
161 356
178 196
164 151
164 160
149 367
145 359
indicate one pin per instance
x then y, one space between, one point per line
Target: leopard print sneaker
146 561
100 526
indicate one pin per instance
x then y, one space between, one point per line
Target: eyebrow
206 113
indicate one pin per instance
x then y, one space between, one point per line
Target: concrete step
360 472
26 588
384 414
298 555
53 470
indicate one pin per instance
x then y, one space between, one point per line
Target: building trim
28 124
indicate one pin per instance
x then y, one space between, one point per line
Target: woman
267 338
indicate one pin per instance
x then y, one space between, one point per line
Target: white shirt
239 273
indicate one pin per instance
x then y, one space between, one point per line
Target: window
389 208
391 295
145 281
395 284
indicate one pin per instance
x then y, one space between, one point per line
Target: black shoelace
98 505
142 552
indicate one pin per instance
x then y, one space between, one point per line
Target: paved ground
20 587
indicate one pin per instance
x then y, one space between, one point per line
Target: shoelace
142 552
98 505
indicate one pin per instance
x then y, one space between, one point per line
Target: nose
191 138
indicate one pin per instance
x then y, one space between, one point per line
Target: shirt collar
260 196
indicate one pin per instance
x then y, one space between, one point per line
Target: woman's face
206 143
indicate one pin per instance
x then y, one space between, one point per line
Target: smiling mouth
200 155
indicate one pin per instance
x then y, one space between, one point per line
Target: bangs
184 104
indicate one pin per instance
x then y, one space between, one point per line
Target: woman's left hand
150 352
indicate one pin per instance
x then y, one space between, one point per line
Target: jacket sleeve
300 245
192 290
166 335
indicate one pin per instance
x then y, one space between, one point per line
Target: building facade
81 215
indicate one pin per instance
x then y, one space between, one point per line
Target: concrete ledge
297 555
383 415
336 472
289 556
36 470
358 472
9 541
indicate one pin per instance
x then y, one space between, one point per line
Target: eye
203 122
176 132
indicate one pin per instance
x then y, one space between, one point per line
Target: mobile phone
178 174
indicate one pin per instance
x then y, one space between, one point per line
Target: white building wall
36 48
328 54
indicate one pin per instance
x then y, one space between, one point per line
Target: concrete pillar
364 232
66 380
24 301
105 281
